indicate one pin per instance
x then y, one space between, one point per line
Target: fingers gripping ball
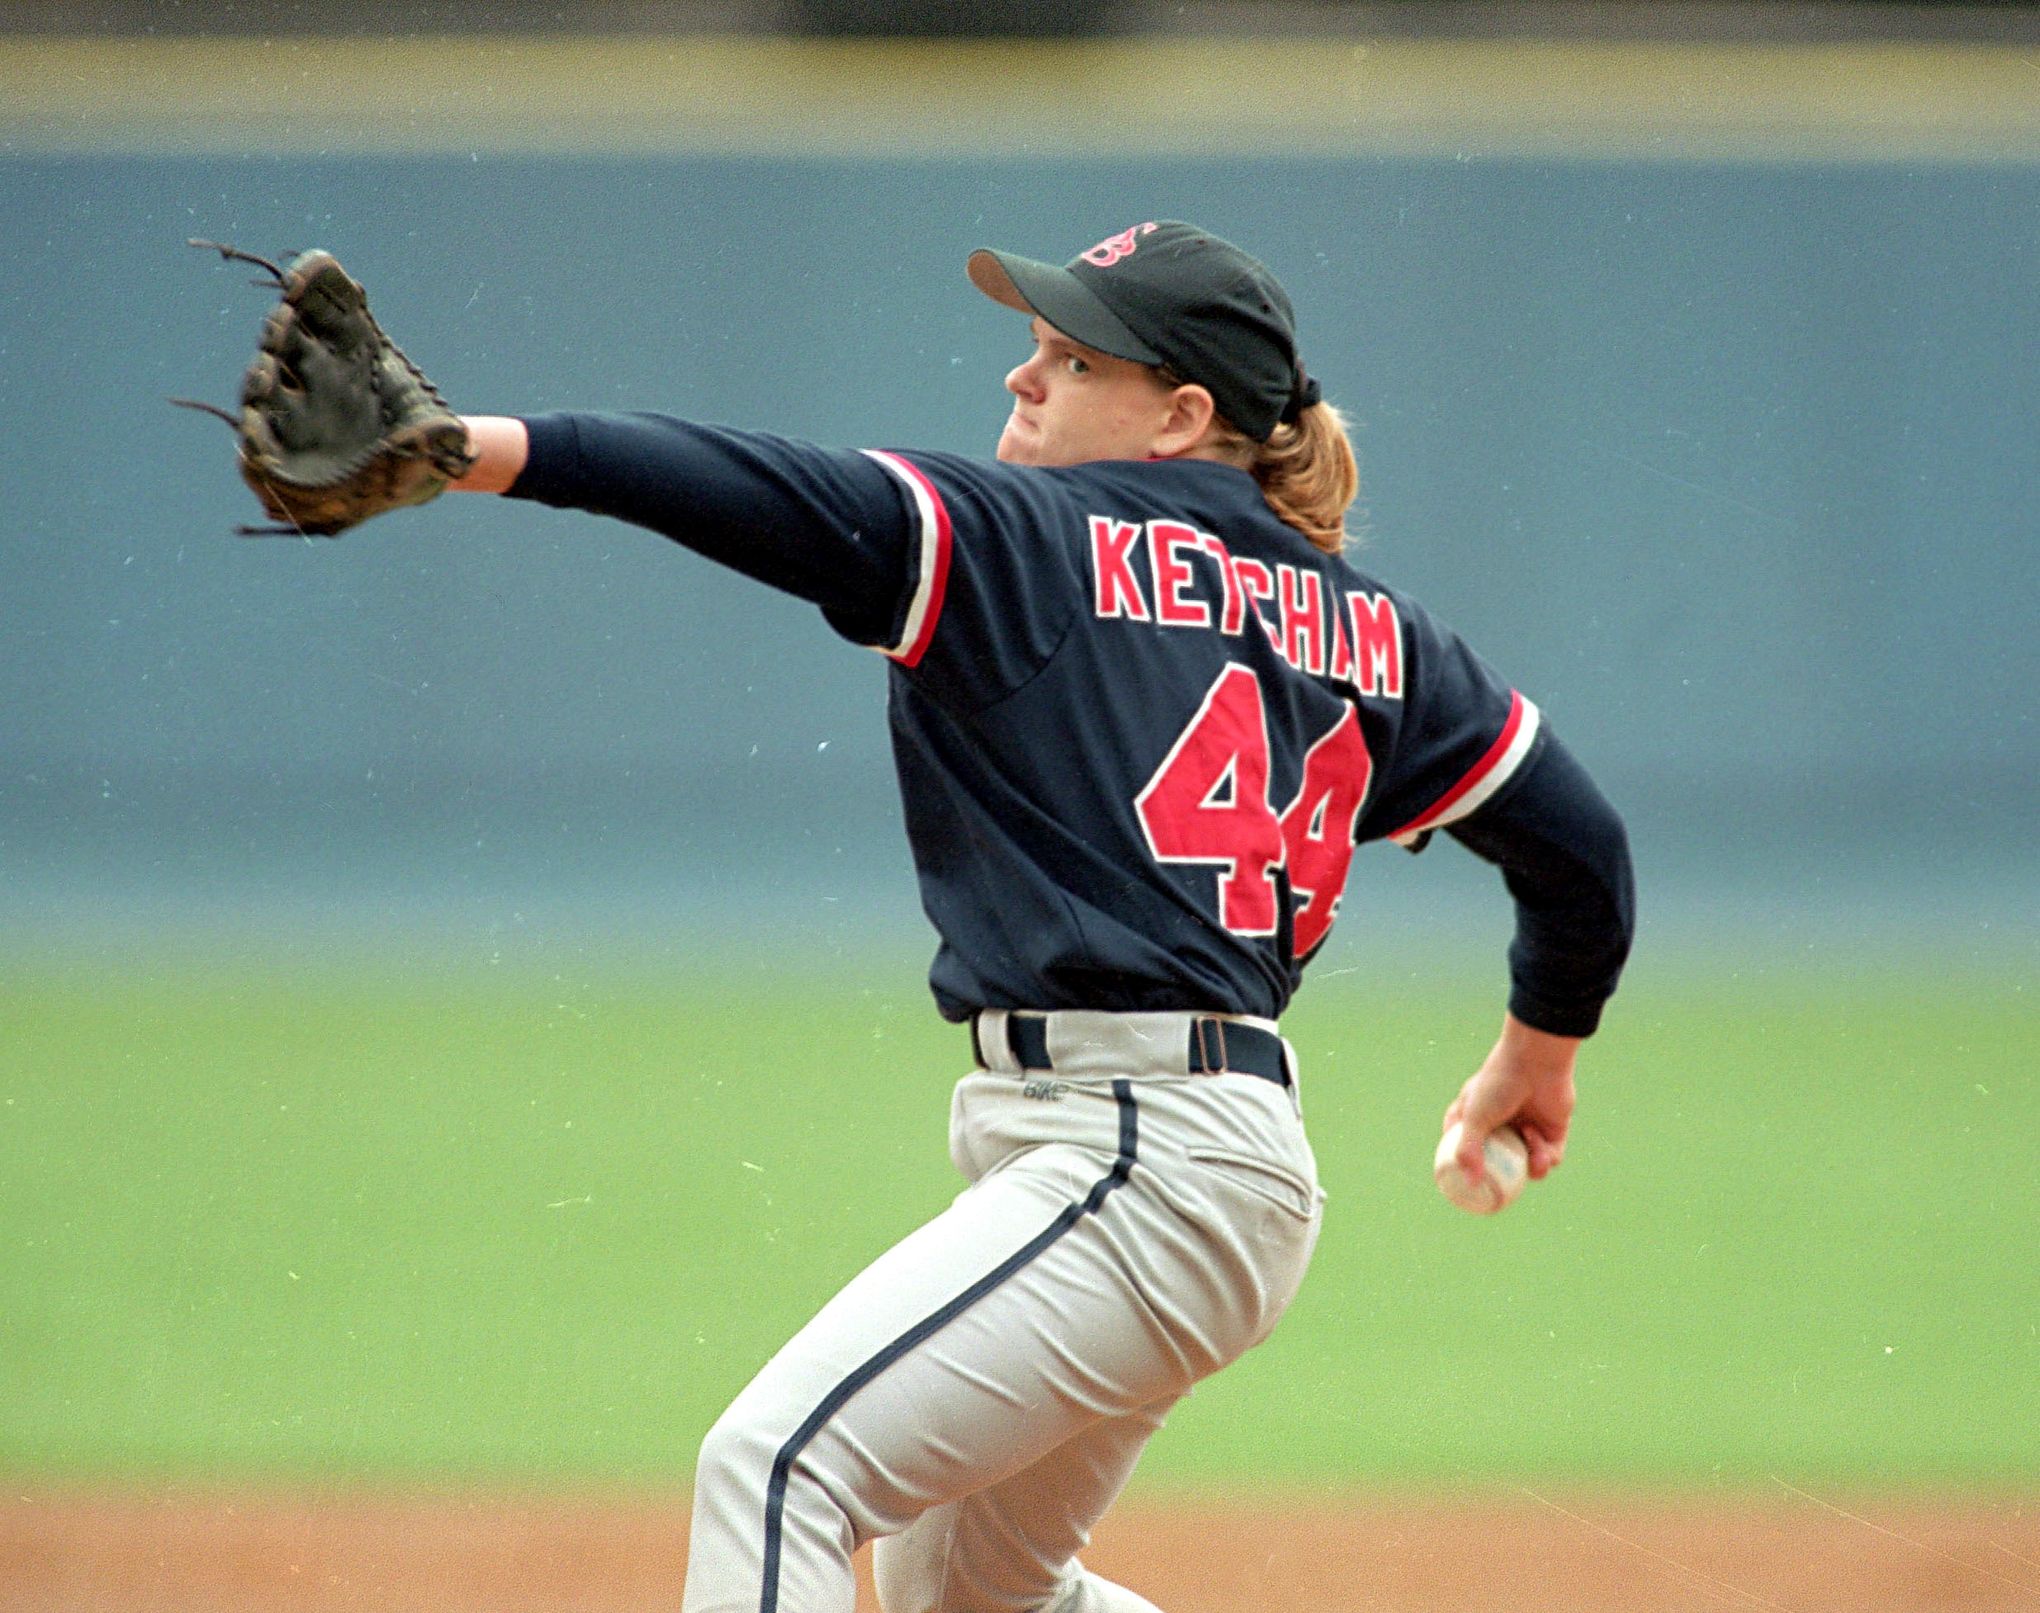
336 425
1507 1158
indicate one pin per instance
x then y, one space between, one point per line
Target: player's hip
1173 1091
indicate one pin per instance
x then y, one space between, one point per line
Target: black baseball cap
1170 293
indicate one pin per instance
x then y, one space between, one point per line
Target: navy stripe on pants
928 1327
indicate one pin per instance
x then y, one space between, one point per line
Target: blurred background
1691 373
435 960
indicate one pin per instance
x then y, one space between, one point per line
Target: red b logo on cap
1114 247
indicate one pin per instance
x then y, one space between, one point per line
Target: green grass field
483 1225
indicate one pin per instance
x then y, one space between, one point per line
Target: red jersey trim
936 539
1486 776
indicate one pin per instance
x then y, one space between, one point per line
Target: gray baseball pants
976 1397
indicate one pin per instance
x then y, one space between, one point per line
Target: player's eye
1076 365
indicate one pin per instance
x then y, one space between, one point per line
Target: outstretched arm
830 526
500 446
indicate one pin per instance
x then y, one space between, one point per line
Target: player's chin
1019 444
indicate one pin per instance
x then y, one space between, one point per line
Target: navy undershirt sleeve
826 525
1565 857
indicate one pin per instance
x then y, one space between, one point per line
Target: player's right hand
1526 1081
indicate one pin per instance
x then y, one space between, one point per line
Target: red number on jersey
1208 803
1317 830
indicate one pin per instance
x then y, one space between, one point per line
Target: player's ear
1189 420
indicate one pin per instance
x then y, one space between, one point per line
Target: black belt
1216 1047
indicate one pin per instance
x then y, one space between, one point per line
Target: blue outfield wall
1732 467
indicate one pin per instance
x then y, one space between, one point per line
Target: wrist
501 445
1540 1052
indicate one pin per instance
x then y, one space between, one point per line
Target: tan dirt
1788 1553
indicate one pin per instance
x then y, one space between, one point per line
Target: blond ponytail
1309 476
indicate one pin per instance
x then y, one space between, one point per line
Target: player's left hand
336 424
1527 1082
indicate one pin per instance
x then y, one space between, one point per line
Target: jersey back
1141 725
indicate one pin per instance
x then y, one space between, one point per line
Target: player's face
1073 404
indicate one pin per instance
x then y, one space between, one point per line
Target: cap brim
1060 298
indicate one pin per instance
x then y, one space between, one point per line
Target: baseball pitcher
1143 711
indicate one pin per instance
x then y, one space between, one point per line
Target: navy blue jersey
1140 723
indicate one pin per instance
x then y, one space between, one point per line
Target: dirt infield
1791 1553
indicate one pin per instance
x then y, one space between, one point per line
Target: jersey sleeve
1465 736
831 526
997 576
958 570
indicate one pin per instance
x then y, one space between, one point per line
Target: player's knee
736 1456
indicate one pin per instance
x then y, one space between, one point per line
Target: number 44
1208 803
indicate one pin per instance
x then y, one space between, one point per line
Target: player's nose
1024 380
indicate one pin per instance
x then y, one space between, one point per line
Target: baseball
1508 1168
